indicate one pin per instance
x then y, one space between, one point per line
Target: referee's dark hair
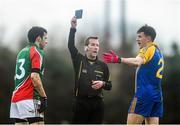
34 32
87 40
148 31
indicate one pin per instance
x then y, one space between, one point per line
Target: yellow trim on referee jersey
98 72
80 68
109 78
77 90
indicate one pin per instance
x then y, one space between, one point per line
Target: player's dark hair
34 32
148 31
87 40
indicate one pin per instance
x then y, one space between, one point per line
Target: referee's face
92 48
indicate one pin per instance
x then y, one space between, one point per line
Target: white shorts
25 109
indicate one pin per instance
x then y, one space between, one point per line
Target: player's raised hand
111 57
73 22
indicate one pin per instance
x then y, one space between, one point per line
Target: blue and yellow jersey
150 73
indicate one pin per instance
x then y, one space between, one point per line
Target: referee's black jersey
86 71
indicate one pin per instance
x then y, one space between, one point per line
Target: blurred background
115 22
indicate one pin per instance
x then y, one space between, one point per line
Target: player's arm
111 57
36 79
38 84
133 61
39 87
36 63
143 57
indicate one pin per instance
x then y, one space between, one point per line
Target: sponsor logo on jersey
84 70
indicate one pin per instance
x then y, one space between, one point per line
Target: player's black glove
43 105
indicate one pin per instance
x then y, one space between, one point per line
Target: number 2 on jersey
21 68
161 62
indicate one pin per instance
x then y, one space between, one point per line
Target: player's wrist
44 104
43 98
116 59
119 60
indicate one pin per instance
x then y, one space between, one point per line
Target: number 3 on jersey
158 73
21 68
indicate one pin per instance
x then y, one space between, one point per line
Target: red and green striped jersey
29 58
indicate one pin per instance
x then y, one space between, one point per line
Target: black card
78 14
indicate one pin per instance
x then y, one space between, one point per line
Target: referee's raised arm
71 41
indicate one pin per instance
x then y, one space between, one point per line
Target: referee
91 78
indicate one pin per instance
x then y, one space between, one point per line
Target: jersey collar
151 44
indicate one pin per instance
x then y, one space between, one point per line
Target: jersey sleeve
107 78
36 60
71 44
147 53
